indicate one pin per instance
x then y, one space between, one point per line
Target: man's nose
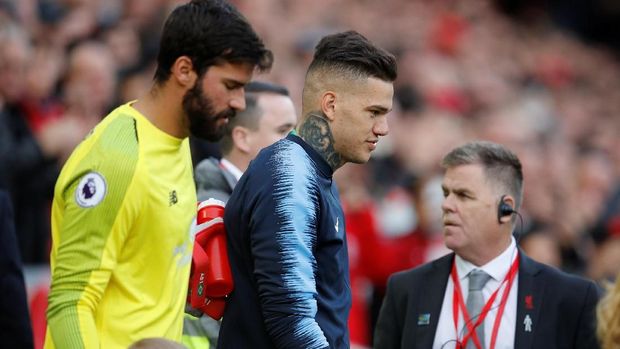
447 204
381 127
237 101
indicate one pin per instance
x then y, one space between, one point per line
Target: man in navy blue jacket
269 116
284 222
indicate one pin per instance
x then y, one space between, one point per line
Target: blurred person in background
15 329
134 84
269 116
285 227
459 300
542 246
88 93
126 198
383 236
28 169
605 261
125 46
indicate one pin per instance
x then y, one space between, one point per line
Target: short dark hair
350 52
209 32
501 165
251 115
261 86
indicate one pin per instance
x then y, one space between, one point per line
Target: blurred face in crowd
91 79
360 118
277 119
13 68
215 98
542 247
470 225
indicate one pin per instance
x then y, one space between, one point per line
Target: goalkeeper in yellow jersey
125 199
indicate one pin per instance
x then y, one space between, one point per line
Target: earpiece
503 209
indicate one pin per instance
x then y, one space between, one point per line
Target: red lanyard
457 302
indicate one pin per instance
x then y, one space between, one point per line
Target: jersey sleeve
283 235
94 212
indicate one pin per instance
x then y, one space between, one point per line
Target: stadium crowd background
541 77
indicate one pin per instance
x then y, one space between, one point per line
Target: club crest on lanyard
529 303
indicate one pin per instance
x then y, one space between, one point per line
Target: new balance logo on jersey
173 198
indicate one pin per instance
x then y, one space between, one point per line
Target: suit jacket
15 330
213 180
561 306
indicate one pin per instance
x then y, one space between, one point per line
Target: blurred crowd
466 71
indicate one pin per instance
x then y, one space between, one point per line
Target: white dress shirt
445 336
234 170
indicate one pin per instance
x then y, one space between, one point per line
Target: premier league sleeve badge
91 190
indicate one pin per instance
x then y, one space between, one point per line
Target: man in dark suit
15 330
487 294
269 115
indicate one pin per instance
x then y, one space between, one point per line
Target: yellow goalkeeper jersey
122 245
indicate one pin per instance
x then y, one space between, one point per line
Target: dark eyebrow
457 190
235 83
462 191
378 108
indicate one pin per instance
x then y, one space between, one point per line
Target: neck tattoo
316 132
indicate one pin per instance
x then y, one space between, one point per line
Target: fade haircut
501 166
249 117
343 58
209 32
351 54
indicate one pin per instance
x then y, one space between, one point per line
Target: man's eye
233 86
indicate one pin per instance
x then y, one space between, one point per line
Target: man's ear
328 104
240 137
506 209
183 72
